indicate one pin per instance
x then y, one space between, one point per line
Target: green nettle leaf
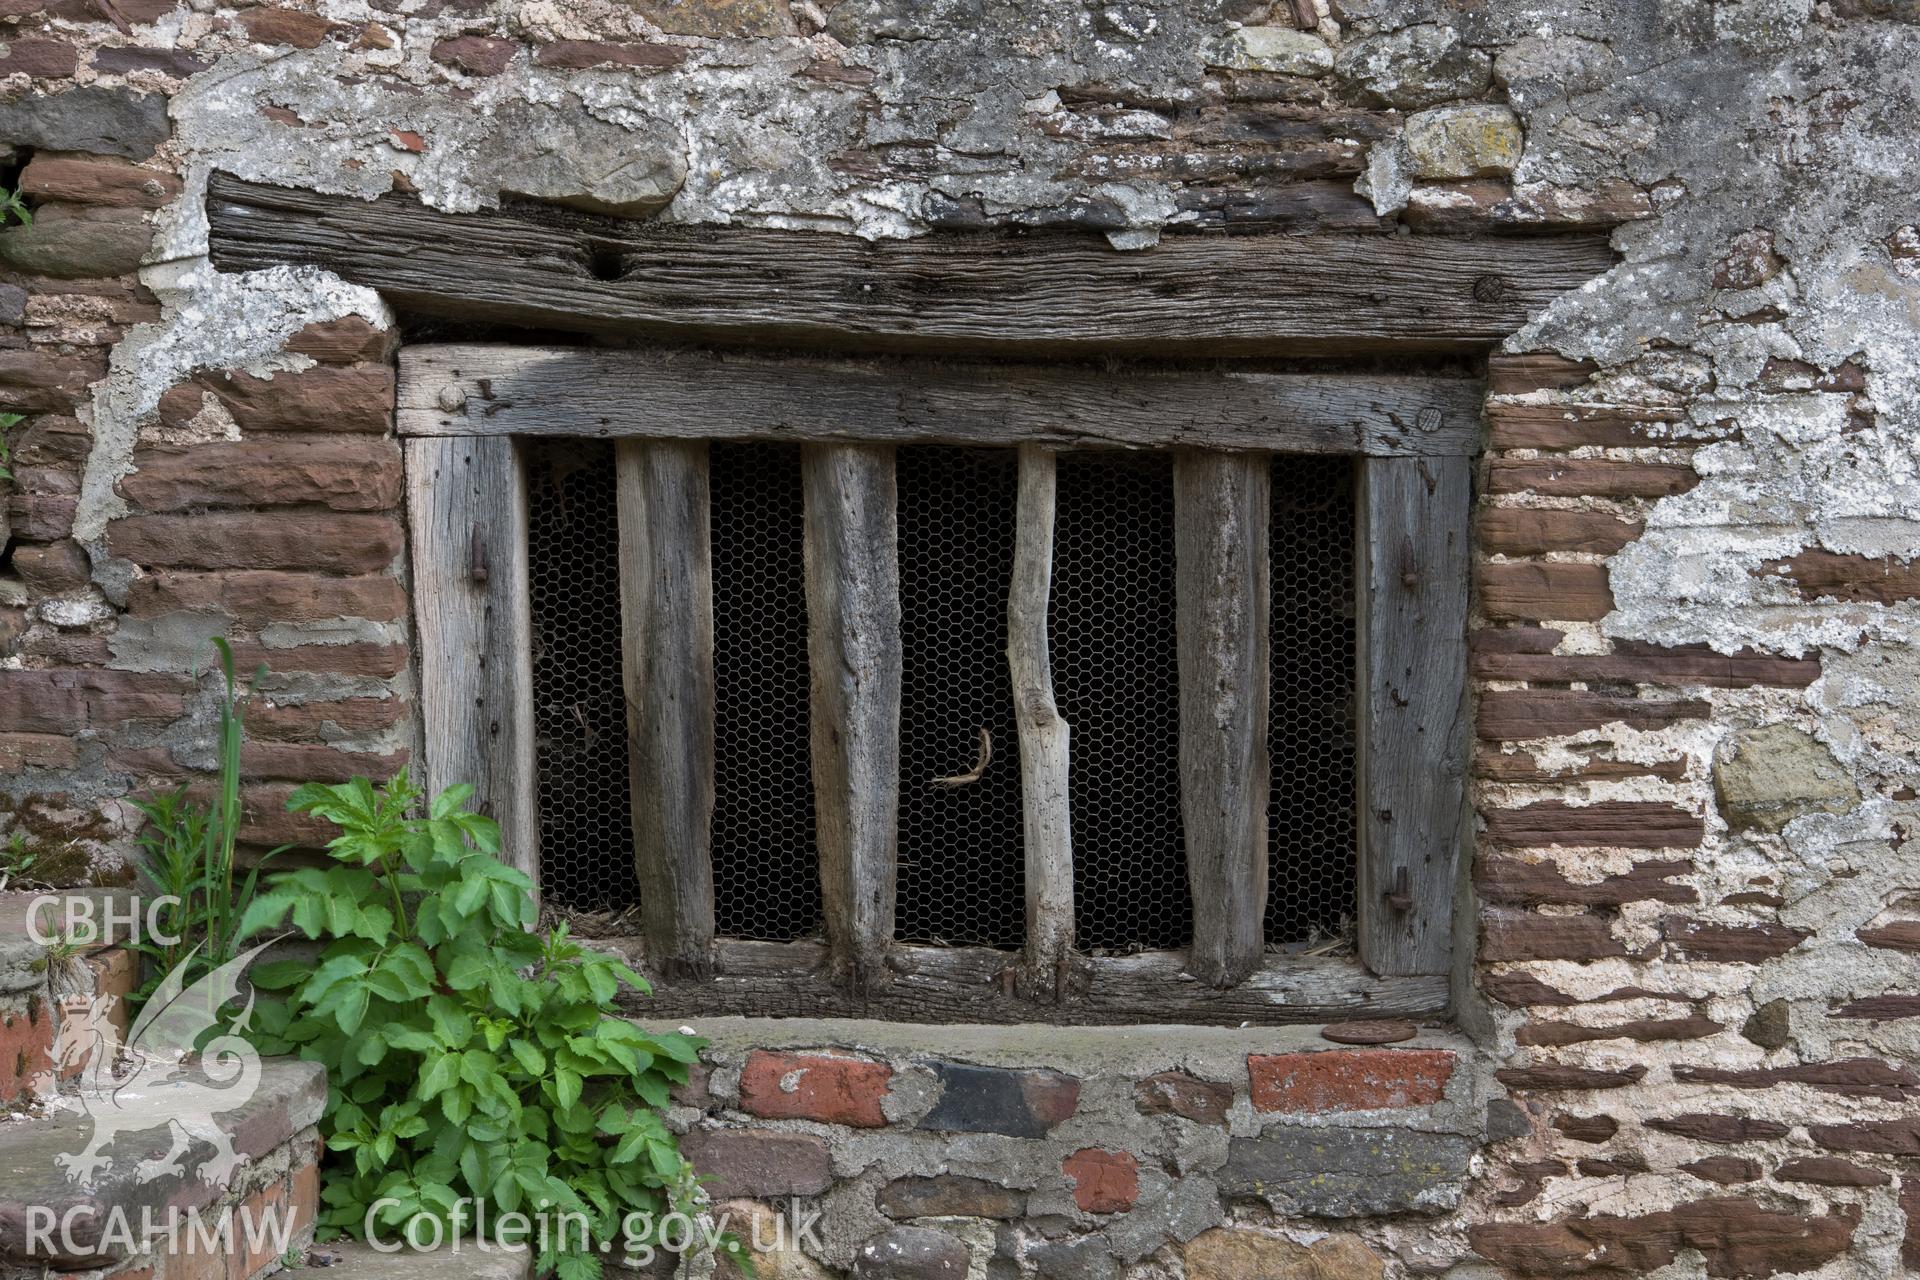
468 1056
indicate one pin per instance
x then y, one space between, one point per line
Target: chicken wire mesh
1115 676
579 710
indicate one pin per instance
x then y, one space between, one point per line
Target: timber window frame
462 408
1023 296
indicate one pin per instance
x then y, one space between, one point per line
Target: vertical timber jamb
1044 735
1411 593
666 610
854 648
473 629
1222 509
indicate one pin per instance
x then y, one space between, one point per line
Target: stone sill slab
466 1260
289 1099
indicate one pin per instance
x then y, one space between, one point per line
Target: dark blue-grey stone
1348 1173
1020 1104
107 122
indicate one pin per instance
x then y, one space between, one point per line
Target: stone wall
1695 602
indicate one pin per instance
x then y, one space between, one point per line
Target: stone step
467 1260
122 1182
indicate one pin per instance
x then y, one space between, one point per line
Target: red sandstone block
1590 477
316 721
49 59
35 380
350 398
37 751
87 179
806 1086
475 55
1348 1080
41 517
1535 592
256 598
285 26
1102 1181
345 473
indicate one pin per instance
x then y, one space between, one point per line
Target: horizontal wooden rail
1040 293
967 984
483 389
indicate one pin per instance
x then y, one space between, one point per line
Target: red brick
1570 426
1540 1033
1554 1076
327 543
1348 1079
348 340
1509 715
1536 592
1736 1238
273 760
1828 1171
1845 1077
475 55
1536 371
47 59
1729 943
1517 882
1102 1181
1595 477
1524 531
1674 669
804 1086
343 473
1527 936
1624 824
1713 1128
310 721
285 26
1900 935
88 179
1521 766
1822 575
579 55
256 598
1724 1170
26 1047
346 398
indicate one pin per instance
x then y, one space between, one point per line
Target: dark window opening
1115 677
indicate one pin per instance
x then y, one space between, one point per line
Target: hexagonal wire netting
1115 677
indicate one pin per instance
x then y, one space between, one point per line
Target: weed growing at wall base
467 1058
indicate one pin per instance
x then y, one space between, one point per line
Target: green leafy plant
189 847
13 205
467 1057
17 862
8 421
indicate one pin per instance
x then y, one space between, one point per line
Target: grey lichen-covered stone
1536 70
1281 49
776 1253
1451 143
1077 1258
572 158
1413 68
110 122
72 242
912 1253
1767 777
1348 1173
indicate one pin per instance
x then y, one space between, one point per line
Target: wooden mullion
1222 509
1044 736
854 650
666 609
473 631
1412 568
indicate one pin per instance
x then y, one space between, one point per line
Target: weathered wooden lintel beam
1047 294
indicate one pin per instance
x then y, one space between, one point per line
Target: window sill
973 985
